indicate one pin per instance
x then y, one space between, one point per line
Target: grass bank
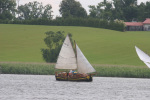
22 43
101 70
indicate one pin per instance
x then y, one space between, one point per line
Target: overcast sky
55 4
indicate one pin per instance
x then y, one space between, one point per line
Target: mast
76 54
75 51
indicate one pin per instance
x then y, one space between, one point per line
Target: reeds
101 70
18 68
130 72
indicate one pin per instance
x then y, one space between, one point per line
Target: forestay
66 58
83 65
143 56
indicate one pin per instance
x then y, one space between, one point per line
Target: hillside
22 43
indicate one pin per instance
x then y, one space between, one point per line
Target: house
146 24
138 26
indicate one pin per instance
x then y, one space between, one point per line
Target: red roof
134 23
147 21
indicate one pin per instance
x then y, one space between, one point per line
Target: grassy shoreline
23 43
27 68
101 70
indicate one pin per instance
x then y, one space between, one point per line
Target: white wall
147 27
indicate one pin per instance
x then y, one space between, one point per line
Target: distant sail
83 65
143 56
66 58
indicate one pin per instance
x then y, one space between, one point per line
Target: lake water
45 87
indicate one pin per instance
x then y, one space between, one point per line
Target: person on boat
74 72
70 73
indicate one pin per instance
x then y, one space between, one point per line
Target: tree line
105 14
127 10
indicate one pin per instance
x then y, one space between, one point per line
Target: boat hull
87 78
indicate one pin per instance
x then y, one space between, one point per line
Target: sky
55 4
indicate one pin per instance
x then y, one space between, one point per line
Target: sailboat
75 64
143 56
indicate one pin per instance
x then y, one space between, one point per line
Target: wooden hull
87 78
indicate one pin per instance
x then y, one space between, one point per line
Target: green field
22 43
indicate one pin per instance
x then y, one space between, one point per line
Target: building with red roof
138 26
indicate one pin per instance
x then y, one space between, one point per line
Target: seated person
74 72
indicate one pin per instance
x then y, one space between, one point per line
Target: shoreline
102 70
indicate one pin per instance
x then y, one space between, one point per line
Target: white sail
147 63
83 65
66 58
143 56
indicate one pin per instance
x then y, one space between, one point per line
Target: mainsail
143 56
66 58
83 65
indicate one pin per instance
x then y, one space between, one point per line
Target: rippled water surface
45 87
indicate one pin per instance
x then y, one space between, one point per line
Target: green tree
147 10
130 10
34 10
93 11
143 11
117 11
7 9
72 8
103 10
47 13
125 9
53 41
